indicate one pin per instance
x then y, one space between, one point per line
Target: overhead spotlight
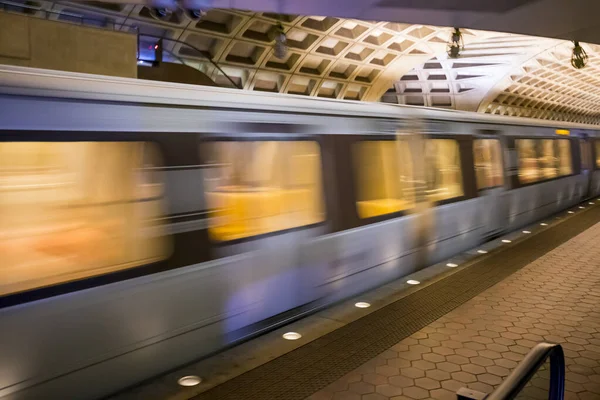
456 44
195 14
195 9
280 49
160 13
579 57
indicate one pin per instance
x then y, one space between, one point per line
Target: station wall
33 42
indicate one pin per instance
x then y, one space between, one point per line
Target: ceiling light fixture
280 49
579 57
456 44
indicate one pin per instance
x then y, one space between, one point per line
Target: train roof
24 81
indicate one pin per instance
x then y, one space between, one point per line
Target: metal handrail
164 39
527 368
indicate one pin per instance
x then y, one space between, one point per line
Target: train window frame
354 179
575 170
573 147
501 162
106 273
264 137
466 164
468 180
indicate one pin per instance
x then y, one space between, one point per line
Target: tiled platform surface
555 298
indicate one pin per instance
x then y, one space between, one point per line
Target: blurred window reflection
597 145
259 187
529 171
548 161
565 164
488 163
70 210
383 172
554 159
443 169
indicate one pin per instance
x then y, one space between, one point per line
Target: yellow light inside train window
259 187
72 210
383 176
563 132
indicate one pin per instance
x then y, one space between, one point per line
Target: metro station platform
465 328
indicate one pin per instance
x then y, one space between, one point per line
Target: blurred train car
144 225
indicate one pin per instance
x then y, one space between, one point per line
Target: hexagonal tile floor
556 298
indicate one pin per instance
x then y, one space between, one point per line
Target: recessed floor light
482 251
581 207
412 282
292 336
544 224
190 380
506 241
571 212
526 231
451 265
591 203
362 304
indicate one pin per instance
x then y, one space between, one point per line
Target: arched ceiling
462 83
497 73
509 75
327 57
548 87
561 19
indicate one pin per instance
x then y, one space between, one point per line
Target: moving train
144 224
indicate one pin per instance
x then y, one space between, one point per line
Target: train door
423 223
489 172
585 151
264 192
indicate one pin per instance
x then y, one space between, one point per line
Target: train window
548 161
443 169
383 172
488 163
565 164
260 187
71 210
529 170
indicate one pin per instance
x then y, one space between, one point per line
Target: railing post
557 374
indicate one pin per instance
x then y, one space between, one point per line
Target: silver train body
88 339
